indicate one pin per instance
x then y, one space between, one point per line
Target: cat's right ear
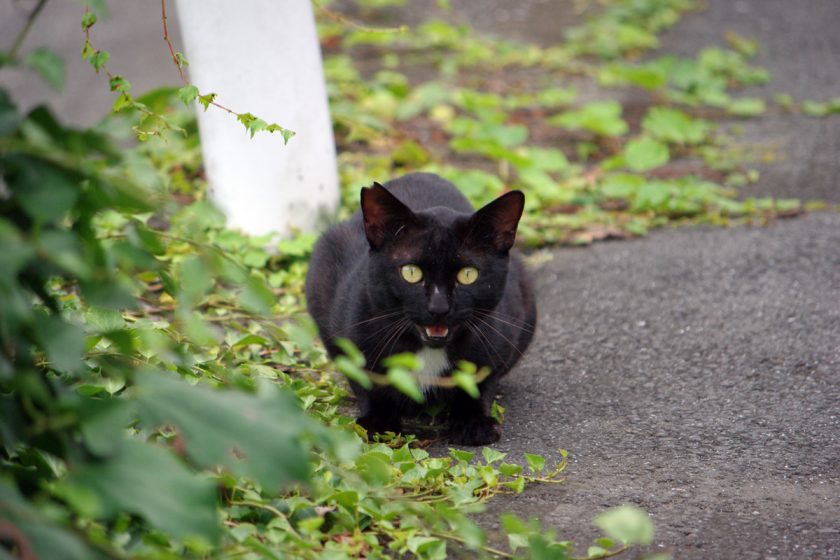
384 215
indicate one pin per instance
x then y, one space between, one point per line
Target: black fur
354 290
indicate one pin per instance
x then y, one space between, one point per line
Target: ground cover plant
162 393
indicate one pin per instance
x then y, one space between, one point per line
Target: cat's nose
438 304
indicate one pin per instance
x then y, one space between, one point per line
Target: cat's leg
379 411
470 422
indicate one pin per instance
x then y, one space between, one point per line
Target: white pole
262 57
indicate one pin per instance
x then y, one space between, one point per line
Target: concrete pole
262 57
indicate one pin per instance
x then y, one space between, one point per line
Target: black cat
418 270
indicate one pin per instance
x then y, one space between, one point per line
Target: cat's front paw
483 430
377 424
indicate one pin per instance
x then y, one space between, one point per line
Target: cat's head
438 267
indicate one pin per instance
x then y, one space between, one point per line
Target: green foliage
49 65
818 109
626 524
601 117
627 27
674 126
746 107
641 154
106 437
148 123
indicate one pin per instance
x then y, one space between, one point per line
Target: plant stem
456 538
169 43
13 52
610 554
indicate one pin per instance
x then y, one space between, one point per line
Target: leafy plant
600 117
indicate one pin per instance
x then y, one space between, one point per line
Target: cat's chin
435 336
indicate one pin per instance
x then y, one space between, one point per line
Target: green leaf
404 381
431 548
180 60
595 551
491 455
353 371
249 340
187 94
256 296
257 436
466 382
195 279
600 117
207 99
118 83
814 109
98 59
461 455
621 185
545 159
605 542
63 342
497 412
45 192
255 258
642 154
255 125
516 530
122 101
405 360
246 119
47 539
351 351
747 107
146 480
646 76
535 462
103 320
627 524
517 485
103 423
510 469
64 249
49 65
88 20
375 468
9 117
672 125
15 252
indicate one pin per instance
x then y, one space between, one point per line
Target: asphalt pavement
696 374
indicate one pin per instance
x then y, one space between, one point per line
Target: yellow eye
467 275
411 273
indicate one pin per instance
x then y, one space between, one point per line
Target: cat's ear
384 215
495 224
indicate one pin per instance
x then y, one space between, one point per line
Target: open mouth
434 334
436 331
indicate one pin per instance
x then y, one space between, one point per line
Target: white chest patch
435 363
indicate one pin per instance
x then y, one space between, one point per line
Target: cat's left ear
383 214
495 223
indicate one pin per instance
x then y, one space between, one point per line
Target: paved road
693 373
